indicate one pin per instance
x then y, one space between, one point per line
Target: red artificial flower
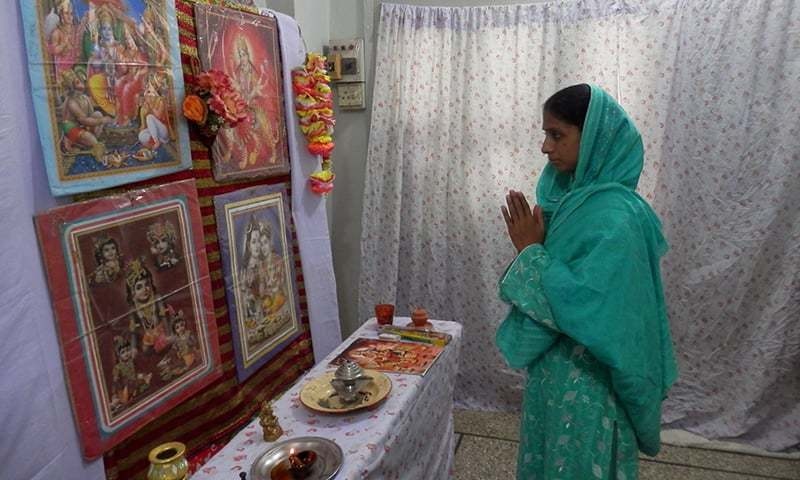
321 187
323 149
229 105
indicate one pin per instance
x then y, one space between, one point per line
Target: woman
587 316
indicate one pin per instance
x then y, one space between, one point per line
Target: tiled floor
487 450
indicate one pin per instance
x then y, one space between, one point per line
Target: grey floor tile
485 459
732 462
500 425
662 471
683 463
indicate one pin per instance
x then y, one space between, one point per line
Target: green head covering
611 152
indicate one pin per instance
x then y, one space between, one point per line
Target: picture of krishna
245 46
108 73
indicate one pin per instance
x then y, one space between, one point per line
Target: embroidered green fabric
588 318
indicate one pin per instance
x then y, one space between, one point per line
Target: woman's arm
529 330
521 340
521 285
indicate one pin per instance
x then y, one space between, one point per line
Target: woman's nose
547 147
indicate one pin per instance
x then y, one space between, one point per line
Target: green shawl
597 278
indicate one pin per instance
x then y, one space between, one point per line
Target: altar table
407 437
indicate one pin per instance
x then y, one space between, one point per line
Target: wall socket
350 96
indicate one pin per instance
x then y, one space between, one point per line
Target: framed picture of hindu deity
132 301
246 47
256 251
106 80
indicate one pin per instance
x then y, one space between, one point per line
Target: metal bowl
327 464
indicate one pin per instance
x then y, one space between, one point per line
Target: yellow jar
168 462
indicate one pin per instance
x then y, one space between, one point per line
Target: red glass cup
384 313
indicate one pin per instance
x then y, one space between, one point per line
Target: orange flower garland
314 105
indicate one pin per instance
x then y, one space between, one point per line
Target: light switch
351 54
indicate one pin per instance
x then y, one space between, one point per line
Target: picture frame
107 83
131 295
246 46
255 237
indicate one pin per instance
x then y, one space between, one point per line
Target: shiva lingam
347 380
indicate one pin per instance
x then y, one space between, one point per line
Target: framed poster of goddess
106 78
246 47
256 251
131 295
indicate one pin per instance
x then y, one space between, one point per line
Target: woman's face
562 142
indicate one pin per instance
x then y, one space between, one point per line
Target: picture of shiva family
262 284
112 84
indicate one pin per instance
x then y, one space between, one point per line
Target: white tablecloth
409 436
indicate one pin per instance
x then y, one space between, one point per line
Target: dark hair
570 104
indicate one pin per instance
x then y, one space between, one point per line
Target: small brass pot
168 462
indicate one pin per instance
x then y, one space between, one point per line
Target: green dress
587 316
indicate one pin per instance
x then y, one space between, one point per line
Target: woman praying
587 319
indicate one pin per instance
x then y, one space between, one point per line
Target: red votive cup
384 313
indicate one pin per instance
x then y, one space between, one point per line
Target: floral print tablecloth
409 436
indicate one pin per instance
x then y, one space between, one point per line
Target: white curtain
456 122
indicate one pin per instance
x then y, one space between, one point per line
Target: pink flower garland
314 105
214 103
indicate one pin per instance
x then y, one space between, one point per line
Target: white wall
282 6
313 16
350 19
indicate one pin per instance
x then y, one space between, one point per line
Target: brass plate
320 396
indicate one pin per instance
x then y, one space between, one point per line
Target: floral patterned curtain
456 122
